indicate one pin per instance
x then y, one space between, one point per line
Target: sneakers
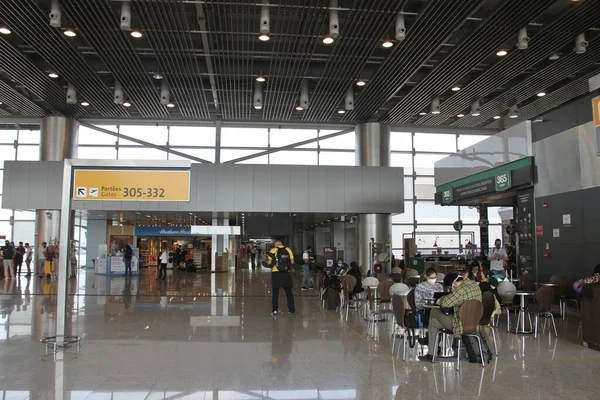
274 313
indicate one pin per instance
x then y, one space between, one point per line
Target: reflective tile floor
212 337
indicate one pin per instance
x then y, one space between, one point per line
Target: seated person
463 290
355 272
340 268
426 289
594 278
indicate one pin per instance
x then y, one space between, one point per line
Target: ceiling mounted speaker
522 39
304 94
118 95
265 20
400 27
126 16
165 92
581 44
258 96
71 94
55 14
349 102
334 19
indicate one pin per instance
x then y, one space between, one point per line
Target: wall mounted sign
539 230
556 233
596 112
447 196
170 231
131 185
566 219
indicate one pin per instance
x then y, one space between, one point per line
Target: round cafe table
521 328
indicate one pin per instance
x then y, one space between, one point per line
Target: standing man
280 259
41 259
8 253
28 258
253 256
164 259
497 258
19 255
306 268
127 256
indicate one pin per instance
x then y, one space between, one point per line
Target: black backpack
472 348
282 258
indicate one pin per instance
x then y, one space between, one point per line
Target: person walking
8 253
19 255
164 259
253 256
127 256
306 258
280 259
28 258
41 259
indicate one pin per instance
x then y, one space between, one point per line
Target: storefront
508 185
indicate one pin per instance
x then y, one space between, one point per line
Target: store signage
503 181
447 196
131 185
476 188
157 231
215 230
596 112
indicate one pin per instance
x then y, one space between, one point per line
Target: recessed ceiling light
258 107
501 53
460 115
541 94
0 103
475 114
497 117
435 112
422 113
554 57
299 108
136 34
341 111
70 32
264 37
387 43
260 78
53 75
126 104
538 120
85 103
170 105
4 30
157 75
455 88
361 82
513 116
327 39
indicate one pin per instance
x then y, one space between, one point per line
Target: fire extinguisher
547 254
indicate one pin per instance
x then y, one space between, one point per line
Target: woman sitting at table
426 289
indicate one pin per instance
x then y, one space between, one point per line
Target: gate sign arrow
81 191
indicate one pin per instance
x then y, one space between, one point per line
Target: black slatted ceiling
508 18
18 102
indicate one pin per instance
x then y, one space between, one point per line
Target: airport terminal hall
299 199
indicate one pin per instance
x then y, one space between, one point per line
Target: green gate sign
503 181
447 196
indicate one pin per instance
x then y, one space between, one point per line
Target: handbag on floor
472 348
49 267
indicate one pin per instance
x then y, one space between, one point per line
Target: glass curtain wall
415 152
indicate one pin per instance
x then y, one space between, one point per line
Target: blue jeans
305 275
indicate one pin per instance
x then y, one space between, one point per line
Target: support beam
290 146
144 143
207 52
218 143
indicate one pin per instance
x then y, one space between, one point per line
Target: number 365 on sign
127 185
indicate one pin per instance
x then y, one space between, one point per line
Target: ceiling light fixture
258 96
4 30
513 112
136 34
460 115
53 75
170 105
422 113
264 37
387 43
455 88
299 108
327 39
341 111
501 53
70 32
260 78
497 117
361 82
537 120
126 104
157 75
580 43
85 103
554 57
265 24
541 94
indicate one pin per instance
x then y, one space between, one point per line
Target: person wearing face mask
340 268
425 290
497 258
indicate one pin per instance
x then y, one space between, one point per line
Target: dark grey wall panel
569 116
575 252
226 187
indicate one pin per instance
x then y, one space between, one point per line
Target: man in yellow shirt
280 259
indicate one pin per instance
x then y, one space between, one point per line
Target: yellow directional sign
596 107
131 185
